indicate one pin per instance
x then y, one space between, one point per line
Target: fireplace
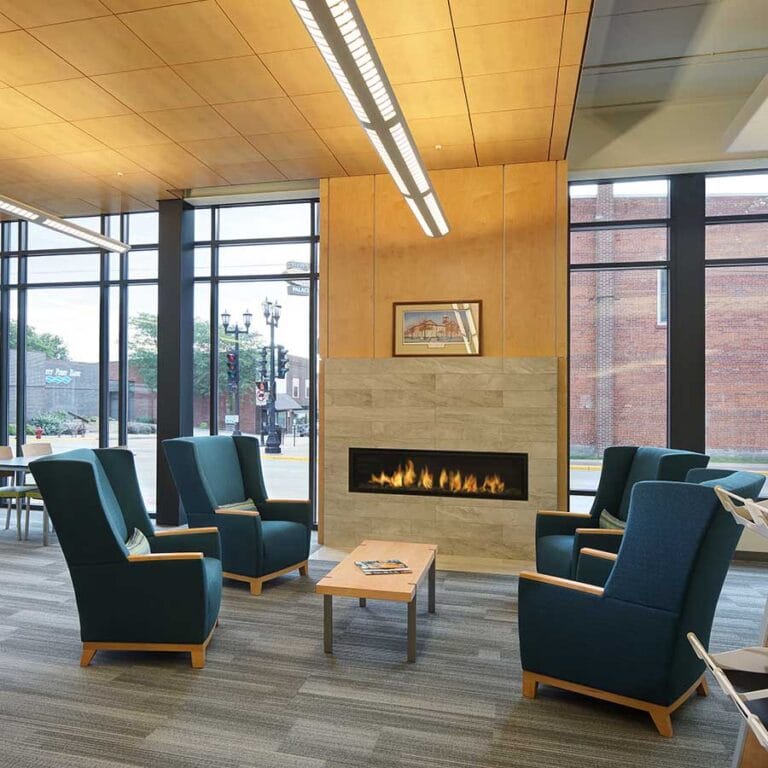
471 474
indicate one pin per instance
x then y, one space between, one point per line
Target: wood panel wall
507 247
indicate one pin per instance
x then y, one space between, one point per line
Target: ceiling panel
300 72
17 110
470 13
263 116
512 125
58 138
405 17
150 90
32 13
133 100
267 25
250 173
421 57
123 131
76 99
11 146
530 89
326 110
97 46
290 145
510 46
191 124
239 79
24 60
184 33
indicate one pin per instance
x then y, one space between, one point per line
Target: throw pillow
138 543
247 506
607 520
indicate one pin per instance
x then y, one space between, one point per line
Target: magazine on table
380 567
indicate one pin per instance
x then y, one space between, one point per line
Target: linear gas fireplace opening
474 474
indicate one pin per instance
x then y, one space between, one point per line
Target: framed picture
444 328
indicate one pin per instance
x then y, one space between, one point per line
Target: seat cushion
553 555
285 544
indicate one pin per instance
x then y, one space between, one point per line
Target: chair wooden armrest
242 512
156 557
290 501
187 531
598 553
557 581
601 531
556 513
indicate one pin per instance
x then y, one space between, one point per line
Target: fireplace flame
448 480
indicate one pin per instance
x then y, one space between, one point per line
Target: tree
50 344
142 355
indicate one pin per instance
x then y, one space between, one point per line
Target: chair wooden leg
198 657
304 570
86 657
8 515
530 685
662 720
702 689
255 587
18 518
45 526
26 521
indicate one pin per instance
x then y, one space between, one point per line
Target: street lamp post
236 331
272 317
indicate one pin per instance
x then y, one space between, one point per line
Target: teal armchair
167 600
257 545
626 642
560 536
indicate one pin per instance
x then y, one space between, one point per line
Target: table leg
363 602
431 588
45 526
412 629
328 623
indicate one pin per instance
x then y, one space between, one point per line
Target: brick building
619 332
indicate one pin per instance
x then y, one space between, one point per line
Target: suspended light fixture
44 219
338 29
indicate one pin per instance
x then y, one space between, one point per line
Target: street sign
262 397
297 289
231 419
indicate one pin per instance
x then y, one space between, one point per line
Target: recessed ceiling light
438 146
339 31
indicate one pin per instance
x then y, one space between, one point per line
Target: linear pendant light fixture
44 219
338 29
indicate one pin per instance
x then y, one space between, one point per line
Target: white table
20 466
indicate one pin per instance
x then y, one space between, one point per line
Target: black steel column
104 331
5 363
686 397
174 340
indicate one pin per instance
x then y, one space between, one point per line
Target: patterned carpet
270 698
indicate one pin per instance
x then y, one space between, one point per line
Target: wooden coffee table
347 580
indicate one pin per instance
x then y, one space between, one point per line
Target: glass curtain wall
618 322
80 363
248 259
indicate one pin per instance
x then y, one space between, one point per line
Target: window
618 313
80 383
246 255
736 388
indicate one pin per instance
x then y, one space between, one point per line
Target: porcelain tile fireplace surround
453 404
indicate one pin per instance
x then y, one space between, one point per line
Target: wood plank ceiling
109 105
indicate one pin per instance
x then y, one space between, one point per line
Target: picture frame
437 328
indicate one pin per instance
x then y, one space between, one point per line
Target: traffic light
282 362
232 367
263 352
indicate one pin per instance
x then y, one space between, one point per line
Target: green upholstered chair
626 642
560 536
164 601
256 545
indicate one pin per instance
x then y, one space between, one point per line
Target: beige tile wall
476 404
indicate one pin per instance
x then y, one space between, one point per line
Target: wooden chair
12 492
33 450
